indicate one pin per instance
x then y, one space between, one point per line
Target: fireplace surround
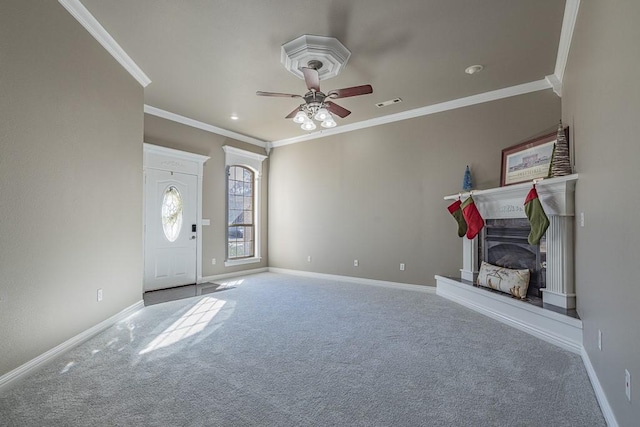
557 198
552 319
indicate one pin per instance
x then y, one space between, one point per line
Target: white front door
170 229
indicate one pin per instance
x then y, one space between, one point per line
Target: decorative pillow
514 282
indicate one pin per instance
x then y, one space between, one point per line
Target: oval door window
171 213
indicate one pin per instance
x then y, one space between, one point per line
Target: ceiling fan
317 104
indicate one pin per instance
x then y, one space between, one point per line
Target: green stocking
537 218
454 209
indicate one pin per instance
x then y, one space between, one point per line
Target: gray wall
601 102
376 194
70 181
170 134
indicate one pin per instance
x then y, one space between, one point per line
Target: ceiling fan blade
350 91
337 110
282 95
311 78
292 114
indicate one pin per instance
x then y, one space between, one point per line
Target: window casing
247 171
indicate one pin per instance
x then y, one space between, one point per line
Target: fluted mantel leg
469 270
560 290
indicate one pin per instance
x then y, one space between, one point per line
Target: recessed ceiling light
474 69
234 117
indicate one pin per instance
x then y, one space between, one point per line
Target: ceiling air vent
387 103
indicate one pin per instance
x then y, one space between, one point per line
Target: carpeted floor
278 350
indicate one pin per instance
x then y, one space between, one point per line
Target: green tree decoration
467 182
560 163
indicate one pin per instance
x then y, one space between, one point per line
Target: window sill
243 261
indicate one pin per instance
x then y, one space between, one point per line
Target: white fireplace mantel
557 198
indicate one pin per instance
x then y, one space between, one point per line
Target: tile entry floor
181 292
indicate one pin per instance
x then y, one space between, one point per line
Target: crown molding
568 25
555 83
423 111
148 109
91 24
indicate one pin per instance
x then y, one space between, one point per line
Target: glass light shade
329 123
300 117
308 125
322 114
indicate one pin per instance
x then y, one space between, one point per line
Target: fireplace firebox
503 242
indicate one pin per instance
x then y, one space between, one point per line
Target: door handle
193 237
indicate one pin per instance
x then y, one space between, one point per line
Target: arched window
240 212
244 170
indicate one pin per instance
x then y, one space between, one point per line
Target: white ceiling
207 58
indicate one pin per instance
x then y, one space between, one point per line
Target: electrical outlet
308 258
355 263
401 266
213 261
599 340
99 295
627 384
581 219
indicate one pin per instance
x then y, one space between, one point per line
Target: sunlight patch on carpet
191 323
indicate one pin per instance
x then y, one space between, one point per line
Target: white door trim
168 159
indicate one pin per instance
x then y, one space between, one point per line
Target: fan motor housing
311 97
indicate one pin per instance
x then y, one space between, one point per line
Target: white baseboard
607 412
46 357
234 274
359 280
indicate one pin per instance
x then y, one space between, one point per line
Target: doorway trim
171 160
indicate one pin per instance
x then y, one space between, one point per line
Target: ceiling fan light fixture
308 125
317 105
322 114
328 123
300 117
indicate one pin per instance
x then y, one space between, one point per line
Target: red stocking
472 217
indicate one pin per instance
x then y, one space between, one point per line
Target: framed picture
528 160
